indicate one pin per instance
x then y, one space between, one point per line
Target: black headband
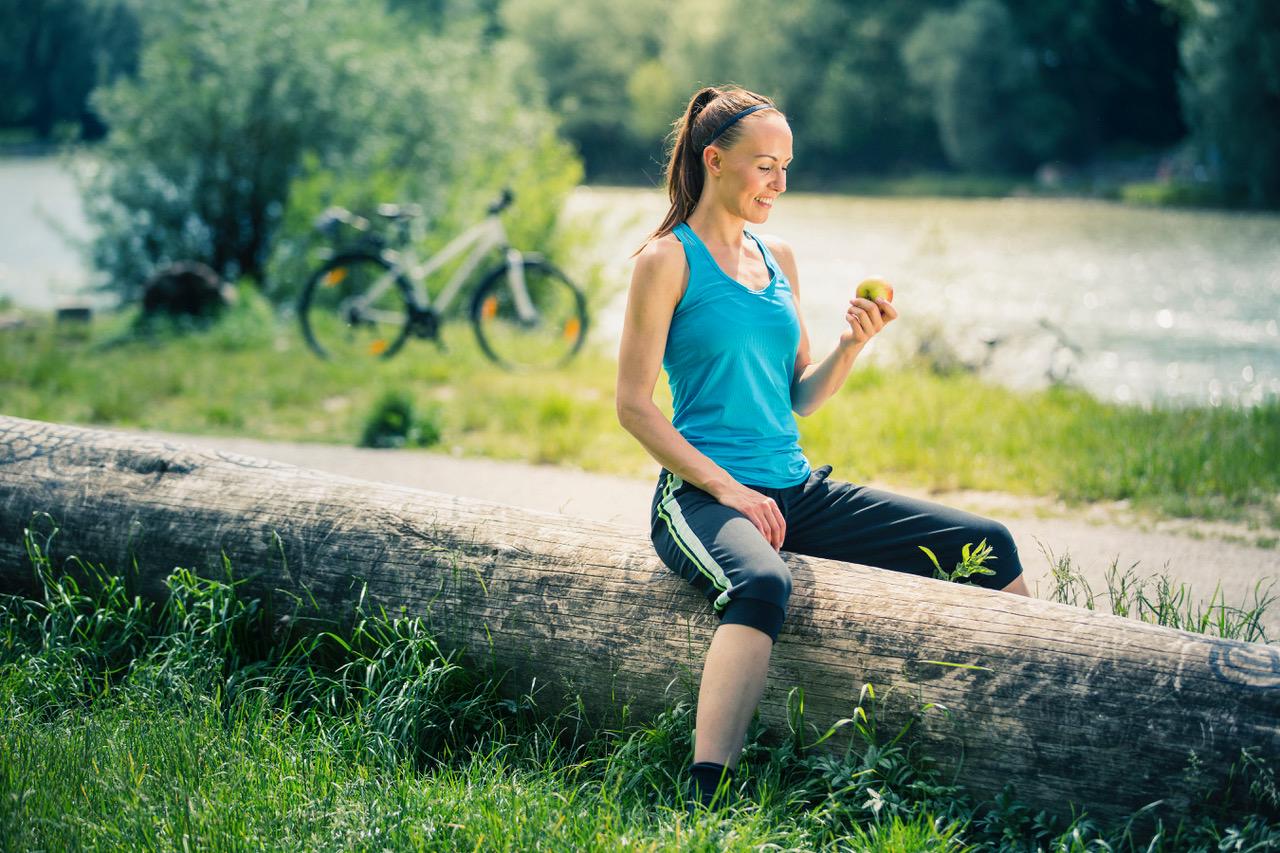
748 111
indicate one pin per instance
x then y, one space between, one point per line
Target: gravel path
1200 554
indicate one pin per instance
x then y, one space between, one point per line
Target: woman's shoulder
778 247
662 254
661 267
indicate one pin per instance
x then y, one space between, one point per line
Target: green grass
251 375
207 722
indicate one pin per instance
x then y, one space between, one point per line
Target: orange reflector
490 308
377 347
571 328
335 276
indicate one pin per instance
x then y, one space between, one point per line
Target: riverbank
251 376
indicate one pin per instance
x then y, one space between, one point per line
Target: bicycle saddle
329 220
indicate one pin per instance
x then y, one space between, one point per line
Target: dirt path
1200 554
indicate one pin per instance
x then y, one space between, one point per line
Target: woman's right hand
761 510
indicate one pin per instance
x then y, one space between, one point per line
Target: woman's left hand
865 319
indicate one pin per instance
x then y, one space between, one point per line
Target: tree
992 113
1230 93
53 53
834 66
237 100
586 52
1112 66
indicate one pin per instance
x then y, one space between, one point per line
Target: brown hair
708 109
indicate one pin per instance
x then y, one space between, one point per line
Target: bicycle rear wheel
354 308
546 335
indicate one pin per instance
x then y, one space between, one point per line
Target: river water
1170 306
40 219
1167 306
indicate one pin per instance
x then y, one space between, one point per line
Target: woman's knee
760 599
770 582
1004 554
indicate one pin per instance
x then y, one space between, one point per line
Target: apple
875 288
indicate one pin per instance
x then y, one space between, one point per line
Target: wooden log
1074 707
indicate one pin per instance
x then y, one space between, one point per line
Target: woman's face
753 173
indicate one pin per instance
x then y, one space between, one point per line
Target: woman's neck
718 226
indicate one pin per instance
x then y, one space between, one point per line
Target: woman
718 307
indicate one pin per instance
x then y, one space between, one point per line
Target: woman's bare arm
813 383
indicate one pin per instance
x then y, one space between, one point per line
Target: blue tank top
729 358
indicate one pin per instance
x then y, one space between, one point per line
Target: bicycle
368 298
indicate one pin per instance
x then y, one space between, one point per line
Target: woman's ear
711 159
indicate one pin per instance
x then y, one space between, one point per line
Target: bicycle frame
481 238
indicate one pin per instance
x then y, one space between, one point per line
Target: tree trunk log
1072 706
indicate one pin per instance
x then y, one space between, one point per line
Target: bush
394 422
240 102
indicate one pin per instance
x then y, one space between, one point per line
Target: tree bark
1072 706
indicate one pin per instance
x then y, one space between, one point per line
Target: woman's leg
857 524
722 554
733 678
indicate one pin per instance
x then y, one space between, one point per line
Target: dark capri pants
724 556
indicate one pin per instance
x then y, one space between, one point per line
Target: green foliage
205 141
239 102
1112 68
1170 194
1231 94
443 15
971 562
992 112
54 52
835 69
248 323
1005 88
587 53
395 422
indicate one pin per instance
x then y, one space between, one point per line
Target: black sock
706 777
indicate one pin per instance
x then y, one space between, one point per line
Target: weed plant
396 422
208 721
1160 600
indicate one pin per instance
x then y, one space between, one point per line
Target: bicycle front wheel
354 309
539 327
